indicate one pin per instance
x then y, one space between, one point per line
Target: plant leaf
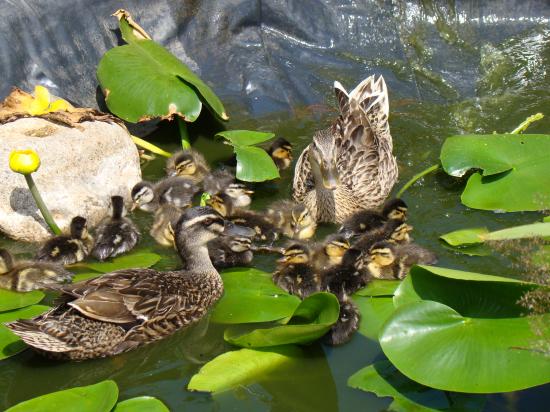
27 312
379 287
311 320
254 164
132 260
100 397
10 300
241 367
519 232
434 345
515 172
10 343
465 236
141 404
374 312
251 296
245 137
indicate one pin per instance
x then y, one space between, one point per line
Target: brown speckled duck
349 166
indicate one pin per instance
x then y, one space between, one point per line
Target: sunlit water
512 85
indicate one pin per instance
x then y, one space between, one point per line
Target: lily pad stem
150 146
527 122
415 178
184 134
41 205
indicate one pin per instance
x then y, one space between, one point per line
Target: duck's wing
303 177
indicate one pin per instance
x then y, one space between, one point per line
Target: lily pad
379 287
100 397
312 319
383 379
10 343
10 300
250 296
515 173
141 404
465 237
133 260
245 137
375 310
241 367
27 312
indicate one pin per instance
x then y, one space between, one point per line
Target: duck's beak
330 177
134 206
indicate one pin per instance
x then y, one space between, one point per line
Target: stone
81 168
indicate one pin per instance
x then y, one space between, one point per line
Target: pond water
505 95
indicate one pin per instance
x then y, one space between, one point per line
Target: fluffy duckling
295 272
387 260
224 205
27 276
394 231
188 163
217 180
234 248
331 252
162 229
117 234
346 325
281 153
347 277
395 208
292 219
70 249
240 194
178 191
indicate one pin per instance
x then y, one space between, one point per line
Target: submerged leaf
10 343
10 300
141 404
379 287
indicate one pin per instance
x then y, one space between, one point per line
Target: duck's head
6 261
281 152
142 194
221 203
239 238
240 193
117 209
198 225
302 222
395 209
336 246
184 164
295 253
381 254
79 228
323 158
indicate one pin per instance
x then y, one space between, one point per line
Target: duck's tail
30 332
370 94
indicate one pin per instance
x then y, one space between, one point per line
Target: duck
281 153
386 260
331 252
293 220
349 166
295 273
123 310
116 234
176 190
162 229
188 163
346 325
68 249
29 275
232 249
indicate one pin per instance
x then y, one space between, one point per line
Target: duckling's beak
248 191
283 259
330 177
134 206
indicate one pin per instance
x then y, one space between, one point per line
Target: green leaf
13 300
465 236
515 172
240 367
141 404
520 232
27 312
245 137
10 343
383 379
100 397
250 296
311 320
436 346
133 260
470 250
379 287
374 312
254 164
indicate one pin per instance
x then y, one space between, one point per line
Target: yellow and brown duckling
394 231
240 194
68 249
178 191
346 325
292 219
281 153
232 249
129 308
164 222
331 252
347 277
188 163
117 234
295 272
28 275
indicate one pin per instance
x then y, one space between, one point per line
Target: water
511 85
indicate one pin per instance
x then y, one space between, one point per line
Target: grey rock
81 168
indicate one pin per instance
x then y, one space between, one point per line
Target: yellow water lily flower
24 161
41 103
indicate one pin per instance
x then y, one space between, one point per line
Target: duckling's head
117 209
400 232
239 193
6 261
79 228
239 238
302 222
361 222
221 203
323 158
281 152
381 254
198 225
295 253
395 209
336 246
184 164
142 194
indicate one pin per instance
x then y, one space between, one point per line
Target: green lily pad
14 300
100 397
312 319
465 237
132 260
241 367
383 379
27 312
515 173
433 344
141 404
245 137
375 310
379 287
250 296
10 343
538 229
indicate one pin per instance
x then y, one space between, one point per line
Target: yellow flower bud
24 161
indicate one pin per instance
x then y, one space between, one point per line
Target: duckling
349 166
232 249
295 272
394 231
293 219
224 205
346 277
346 325
188 163
396 209
162 229
27 276
70 249
217 180
240 194
178 191
123 310
387 260
281 153
115 235
331 252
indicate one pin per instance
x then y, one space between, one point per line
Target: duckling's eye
208 221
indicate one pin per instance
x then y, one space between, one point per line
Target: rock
81 168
